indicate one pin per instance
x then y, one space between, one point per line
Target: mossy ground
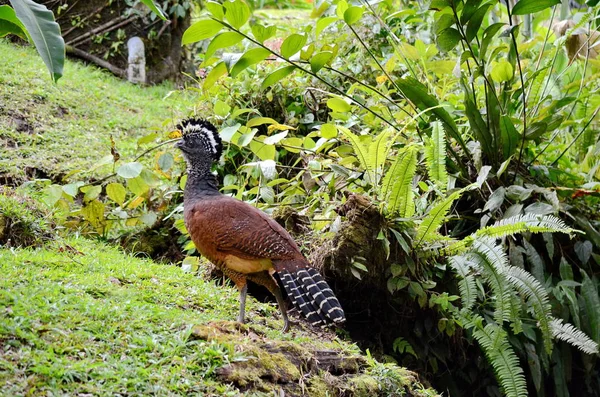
81 317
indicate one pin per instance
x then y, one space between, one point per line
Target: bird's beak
179 144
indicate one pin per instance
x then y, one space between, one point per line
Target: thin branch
577 137
309 72
523 93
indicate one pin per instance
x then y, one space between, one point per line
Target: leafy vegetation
468 127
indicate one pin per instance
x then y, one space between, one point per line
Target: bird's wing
237 228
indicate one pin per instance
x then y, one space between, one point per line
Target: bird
243 241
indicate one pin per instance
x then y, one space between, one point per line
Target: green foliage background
464 122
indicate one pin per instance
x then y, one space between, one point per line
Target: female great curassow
243 241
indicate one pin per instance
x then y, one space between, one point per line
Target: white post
136 60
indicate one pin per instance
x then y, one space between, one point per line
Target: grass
51 130
83 318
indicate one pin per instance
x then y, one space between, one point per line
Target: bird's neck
201 182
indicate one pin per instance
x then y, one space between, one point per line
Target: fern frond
499 352
397 183
466 285
510 226
435 155
525 223
377 154
360 149
493 262
508 307
537 298
435 218
570 334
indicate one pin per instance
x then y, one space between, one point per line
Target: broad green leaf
353 14
262 150
440 4
488 35
262 33
237 13
246 138
323 23
158 11
91 192
251 57
222 40
328 131
502 71
116 192
276 76
510 136
468 10
417 94
215 9
341 8
524 7
536 130
149 218
130 170
275 138
256 121
292 44
72 188
165 161
338 105
201 30
10 24
45 33
227 133
93 212
52 193
475 22
221 108
307 52
319 60
138 185
478 126
444 22
448 39
211 78
293 145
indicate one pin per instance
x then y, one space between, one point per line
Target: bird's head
200 142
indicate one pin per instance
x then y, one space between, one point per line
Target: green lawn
50 130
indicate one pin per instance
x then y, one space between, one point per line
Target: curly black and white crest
201 132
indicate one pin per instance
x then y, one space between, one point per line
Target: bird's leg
281 303
243 292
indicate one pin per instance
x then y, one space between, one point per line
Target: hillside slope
83 318
49 130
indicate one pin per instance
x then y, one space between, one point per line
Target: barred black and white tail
312 296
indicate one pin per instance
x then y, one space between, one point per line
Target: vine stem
523 93
309 72
577 137
145 152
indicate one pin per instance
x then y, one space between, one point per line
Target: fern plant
510 288
435 155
